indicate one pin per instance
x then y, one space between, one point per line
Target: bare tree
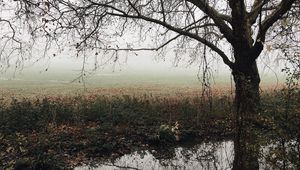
189 25
200 28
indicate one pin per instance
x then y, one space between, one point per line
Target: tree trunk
247 102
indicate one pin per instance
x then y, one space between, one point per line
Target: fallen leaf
9 149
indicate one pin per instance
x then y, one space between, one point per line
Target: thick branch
255 10
181 32
218 18
282 8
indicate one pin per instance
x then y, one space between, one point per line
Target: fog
142 68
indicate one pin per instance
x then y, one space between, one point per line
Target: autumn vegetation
68 131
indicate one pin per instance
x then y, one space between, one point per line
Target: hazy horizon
142 69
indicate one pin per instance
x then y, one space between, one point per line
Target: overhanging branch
283 7
181 32
218 18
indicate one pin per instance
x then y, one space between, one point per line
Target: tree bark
247 101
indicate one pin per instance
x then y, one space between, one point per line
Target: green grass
52 78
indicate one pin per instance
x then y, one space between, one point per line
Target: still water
205 156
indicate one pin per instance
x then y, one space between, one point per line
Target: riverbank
69 131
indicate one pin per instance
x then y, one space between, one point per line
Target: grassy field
41 85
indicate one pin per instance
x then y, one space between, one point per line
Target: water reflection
217 155
206 156
251 148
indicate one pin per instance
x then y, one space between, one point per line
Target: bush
25 115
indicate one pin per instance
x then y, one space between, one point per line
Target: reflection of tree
212 155
272 148
120 166
281 155
246 147
218 155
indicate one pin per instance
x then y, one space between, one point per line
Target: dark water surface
205 156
